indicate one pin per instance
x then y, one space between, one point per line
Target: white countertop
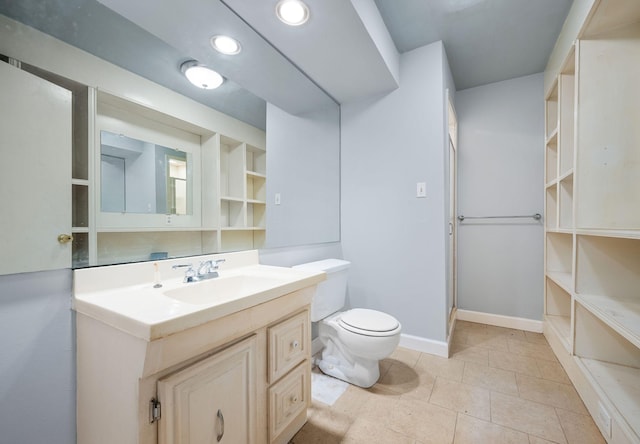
152 313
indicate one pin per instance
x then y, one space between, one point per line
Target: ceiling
348 50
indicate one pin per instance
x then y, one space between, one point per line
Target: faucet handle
217 263
189 274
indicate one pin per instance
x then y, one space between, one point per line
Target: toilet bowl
353 340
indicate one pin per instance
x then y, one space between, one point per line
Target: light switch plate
421 189
277 199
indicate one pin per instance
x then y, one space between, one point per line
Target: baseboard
500 320
424 345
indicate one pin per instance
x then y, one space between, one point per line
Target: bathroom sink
224 288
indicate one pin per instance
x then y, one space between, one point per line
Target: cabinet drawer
289 344
288 399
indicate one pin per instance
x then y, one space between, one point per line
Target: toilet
354 340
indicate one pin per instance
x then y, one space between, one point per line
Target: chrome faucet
209 269
189 275
206 270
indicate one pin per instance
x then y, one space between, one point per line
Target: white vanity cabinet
152 369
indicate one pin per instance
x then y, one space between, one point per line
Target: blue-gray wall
37 360
303 165
396 242
501 172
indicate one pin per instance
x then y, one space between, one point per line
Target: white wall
500 172
395 241
37 361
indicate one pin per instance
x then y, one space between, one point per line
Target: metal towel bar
536 216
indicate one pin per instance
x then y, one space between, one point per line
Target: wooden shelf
257 175
232 199
622 315
151 229
566 175
624 234
563 280
620 384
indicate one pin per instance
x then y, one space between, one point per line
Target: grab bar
536 216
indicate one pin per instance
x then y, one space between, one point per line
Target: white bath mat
326 389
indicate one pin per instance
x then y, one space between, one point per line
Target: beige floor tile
310 433
406 356
538 351
378 403
579 429
537 440
514 363
405 380
526 416
459 336
470 353
471 430
384 366
495 379
536 338
351 401
508 333
422 421
490 341
551 393
437 366
365 431
463 398
470 326
552 371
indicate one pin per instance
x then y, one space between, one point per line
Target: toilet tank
331 293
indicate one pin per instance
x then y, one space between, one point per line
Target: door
451 278
35 172
211 401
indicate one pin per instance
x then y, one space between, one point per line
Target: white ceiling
348 50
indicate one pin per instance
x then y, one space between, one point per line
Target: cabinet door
212 400
35 172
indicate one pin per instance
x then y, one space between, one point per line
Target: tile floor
500 386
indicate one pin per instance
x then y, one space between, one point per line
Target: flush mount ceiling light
225 44
292 12
201 76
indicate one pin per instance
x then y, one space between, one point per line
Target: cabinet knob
64 238
295 344
294 399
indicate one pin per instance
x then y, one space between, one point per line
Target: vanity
223 360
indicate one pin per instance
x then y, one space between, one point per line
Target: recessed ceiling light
292 12
225 44
201 76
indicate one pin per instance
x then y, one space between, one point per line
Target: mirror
143 177
92 27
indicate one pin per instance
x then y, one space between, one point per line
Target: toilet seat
367 322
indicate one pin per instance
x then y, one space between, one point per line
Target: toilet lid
366 320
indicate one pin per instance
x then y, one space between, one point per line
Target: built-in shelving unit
592 246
